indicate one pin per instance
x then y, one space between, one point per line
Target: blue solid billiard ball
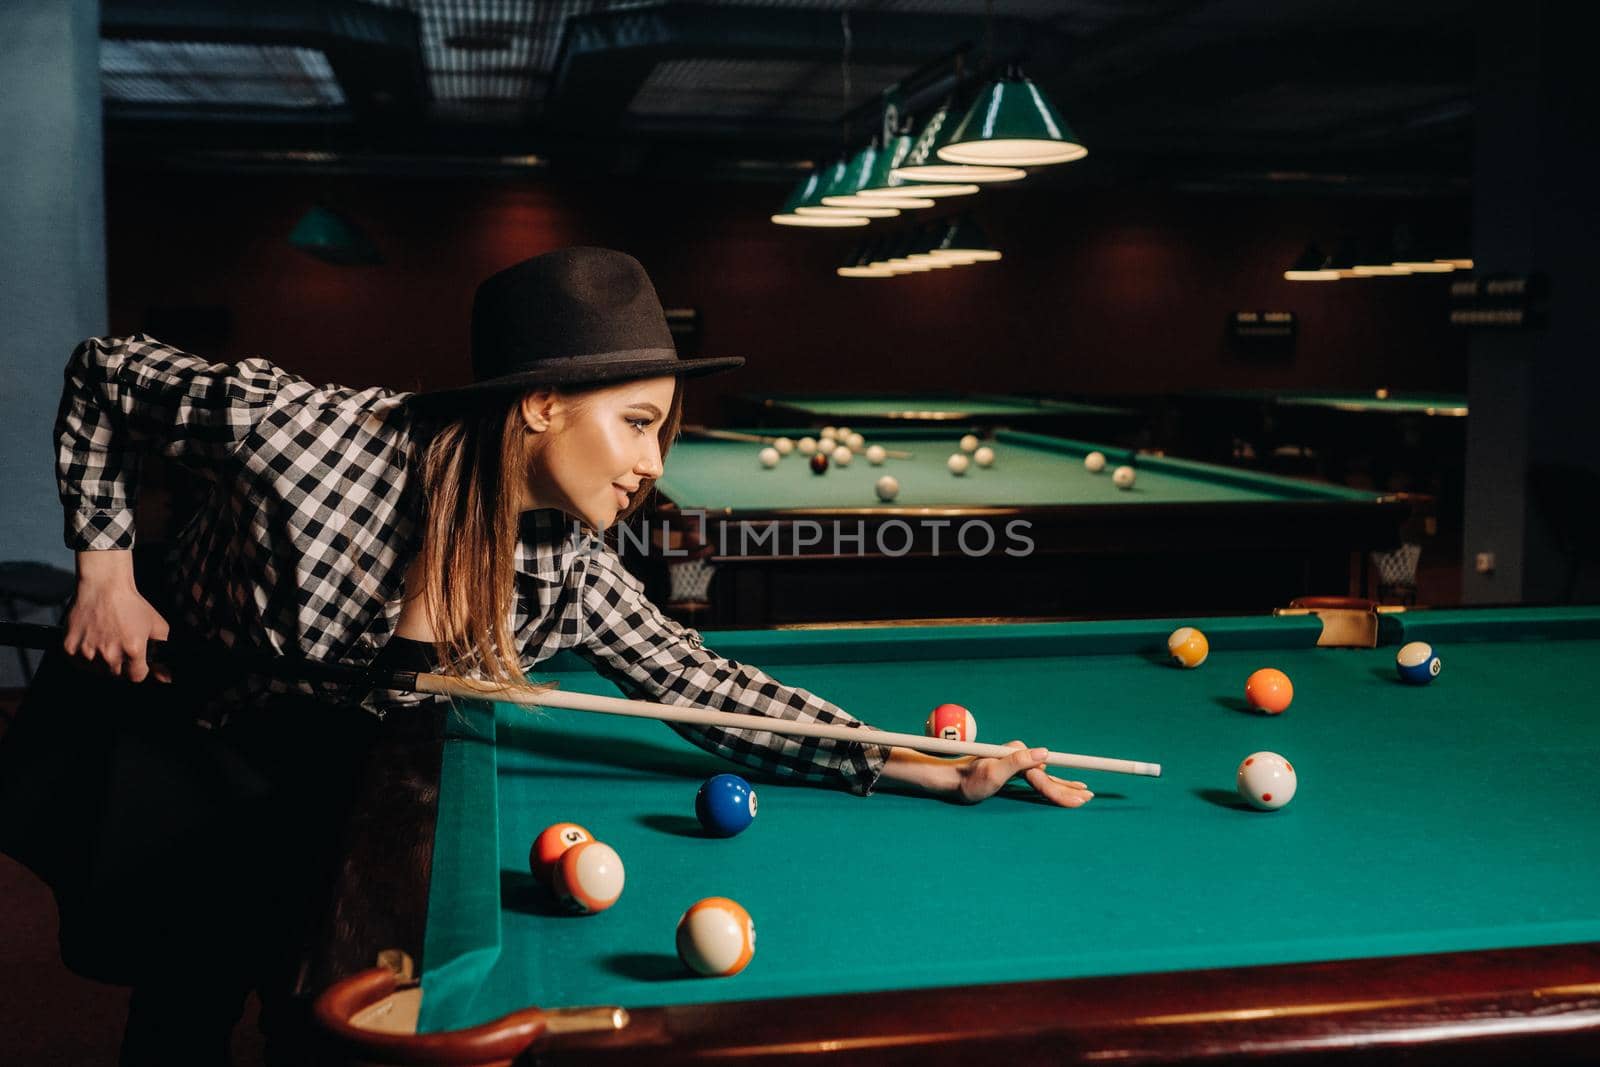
725 805
1417 663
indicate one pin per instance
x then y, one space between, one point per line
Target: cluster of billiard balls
1123 477
971 451
1265 779
715 937
837 446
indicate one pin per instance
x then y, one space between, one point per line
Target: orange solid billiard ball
1269 690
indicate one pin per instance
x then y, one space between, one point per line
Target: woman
431 529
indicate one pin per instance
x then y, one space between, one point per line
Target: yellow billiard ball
1188 647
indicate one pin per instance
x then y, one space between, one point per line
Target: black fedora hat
577 316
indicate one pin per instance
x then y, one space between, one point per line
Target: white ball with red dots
984 456
951 722
588 877
1094 462
1123 477
969 442
716 937
1267 780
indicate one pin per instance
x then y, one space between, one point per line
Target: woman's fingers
1066 794
111 632
134 666
1028 764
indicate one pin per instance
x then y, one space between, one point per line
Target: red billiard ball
819 464
951 722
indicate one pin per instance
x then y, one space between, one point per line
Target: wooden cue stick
760 439
646 709
36 635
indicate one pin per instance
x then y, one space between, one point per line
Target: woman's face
592 450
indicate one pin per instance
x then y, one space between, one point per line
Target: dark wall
1100 292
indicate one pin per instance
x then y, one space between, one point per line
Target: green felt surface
952 406
1366 403
1029 469
1441 404
1456 816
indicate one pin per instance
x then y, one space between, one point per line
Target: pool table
1432 891
1036 535
1382 435
982 410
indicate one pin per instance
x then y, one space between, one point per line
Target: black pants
191 864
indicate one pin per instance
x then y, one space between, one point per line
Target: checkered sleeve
649 656
124 396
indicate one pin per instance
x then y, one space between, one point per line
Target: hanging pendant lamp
922 162
1012 123
808 195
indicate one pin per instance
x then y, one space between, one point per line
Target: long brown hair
474 470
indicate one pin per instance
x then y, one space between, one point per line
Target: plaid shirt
313 512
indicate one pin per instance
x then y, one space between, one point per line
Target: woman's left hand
981 777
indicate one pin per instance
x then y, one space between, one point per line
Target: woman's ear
538 409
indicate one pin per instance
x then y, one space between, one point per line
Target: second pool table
1034 535
928 410
1432 892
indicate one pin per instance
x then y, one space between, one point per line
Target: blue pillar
52 248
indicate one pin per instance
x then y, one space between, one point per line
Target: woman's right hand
110 626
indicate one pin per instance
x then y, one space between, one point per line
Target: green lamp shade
1343 261
845 185
922 162
883 183
862 263
919 190
821 222
807 192
844 182
1419 255
807 195
1376 260
964 241
333 239
1424 266
1012 123
1312 266
873 212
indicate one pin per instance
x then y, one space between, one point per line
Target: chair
26 584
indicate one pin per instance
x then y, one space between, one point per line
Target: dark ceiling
1337 95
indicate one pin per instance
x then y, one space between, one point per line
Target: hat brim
574 372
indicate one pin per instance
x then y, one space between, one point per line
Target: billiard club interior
1328 247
